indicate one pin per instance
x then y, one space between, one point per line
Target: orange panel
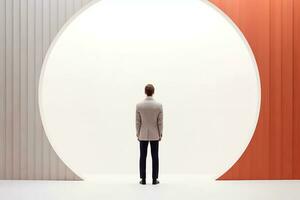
296 91
272 28
287 90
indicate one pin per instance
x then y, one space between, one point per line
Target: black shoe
155 182
143 182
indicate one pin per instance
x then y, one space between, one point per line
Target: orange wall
272 28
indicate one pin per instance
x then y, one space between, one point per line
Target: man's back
149 120
149 126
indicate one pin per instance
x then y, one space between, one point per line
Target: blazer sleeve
138 121
160 121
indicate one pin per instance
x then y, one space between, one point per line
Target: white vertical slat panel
16 89
69 8
46 42
38 64
9 89
53 31
77 5
27 28
84 2
31 89
61 13
24 89
2 88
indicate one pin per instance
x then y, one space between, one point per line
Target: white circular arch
204 71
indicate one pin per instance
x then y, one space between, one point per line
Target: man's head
149 89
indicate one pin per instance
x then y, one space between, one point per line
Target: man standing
149 126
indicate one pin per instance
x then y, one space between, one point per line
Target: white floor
182 187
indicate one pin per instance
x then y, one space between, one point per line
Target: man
149 126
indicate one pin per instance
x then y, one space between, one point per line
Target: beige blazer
149 120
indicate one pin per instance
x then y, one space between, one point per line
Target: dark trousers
143 157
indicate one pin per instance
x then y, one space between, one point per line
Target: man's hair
149 89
